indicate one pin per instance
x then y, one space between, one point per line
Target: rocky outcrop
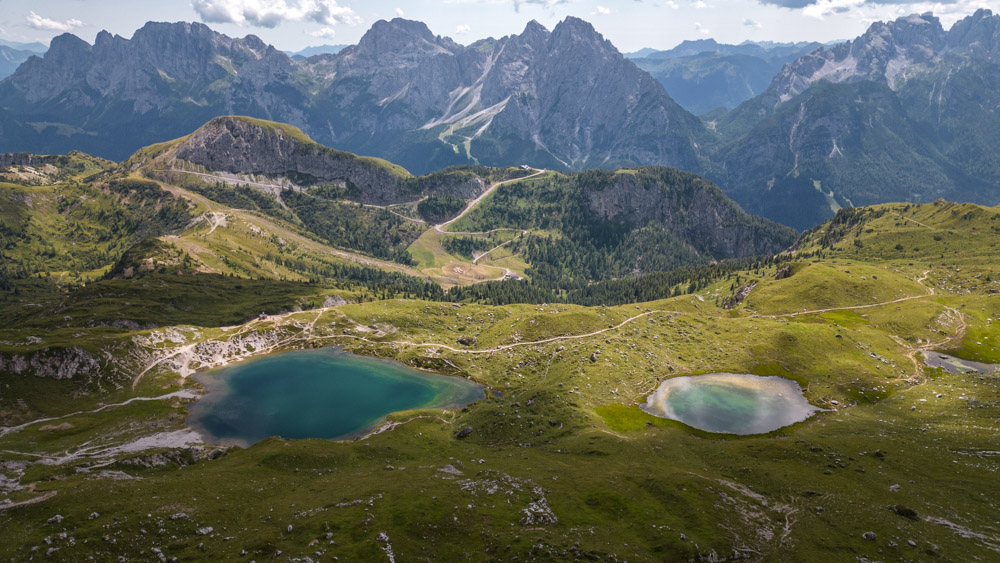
55 363
732 301
245 146
21 159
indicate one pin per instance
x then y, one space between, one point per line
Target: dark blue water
315 394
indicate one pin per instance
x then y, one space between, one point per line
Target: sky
629 24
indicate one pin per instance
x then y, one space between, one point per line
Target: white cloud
601 11
324 33
824 8
271 13
399 12
701 29
868 11
463 28
672 4
516 3
750 22
40 22
700 4
545 3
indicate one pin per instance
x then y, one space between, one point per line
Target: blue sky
629 24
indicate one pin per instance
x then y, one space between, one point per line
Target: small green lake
729 403
315 394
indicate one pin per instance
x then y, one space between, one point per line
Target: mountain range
234 342
704 75
569 230
11 58
563 98
906 112
33 47
316 50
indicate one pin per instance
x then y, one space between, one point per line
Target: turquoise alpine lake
728 403
315 394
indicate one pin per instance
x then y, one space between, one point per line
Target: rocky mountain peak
104 39
166 34
576 33
66 46
533 28
391 39
66 62
888 52
413 27
913 31
535 36
978 35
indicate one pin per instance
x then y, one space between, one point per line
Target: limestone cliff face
21 159
55 363
690 207
242 146
887 52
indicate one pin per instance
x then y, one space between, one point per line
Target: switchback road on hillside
472 204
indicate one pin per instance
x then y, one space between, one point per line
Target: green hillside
561 463
116 287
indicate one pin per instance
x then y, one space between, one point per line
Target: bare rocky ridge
242 147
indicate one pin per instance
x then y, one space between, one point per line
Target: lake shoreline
732 404
313 393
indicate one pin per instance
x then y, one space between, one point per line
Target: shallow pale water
956 366
315 394
730 403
